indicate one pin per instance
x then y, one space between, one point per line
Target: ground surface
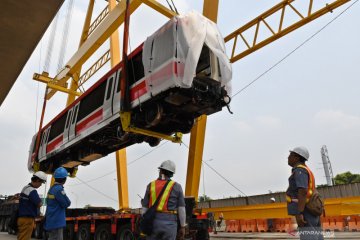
258 236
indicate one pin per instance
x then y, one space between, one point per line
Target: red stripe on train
138 91
89 121
54 144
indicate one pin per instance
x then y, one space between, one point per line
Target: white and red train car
179 73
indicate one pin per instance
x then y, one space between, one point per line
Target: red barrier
333 223
262 225
354 223
232 226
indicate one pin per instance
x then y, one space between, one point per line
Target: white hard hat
302 151
168 165
41 175
272 199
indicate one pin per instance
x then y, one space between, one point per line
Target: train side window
92 101
135 68
108 95
57 127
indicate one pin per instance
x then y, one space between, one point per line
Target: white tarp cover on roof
185 36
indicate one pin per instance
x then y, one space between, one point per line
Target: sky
310 99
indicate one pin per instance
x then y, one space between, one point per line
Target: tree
346 178
204 198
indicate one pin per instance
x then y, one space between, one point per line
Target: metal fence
338 191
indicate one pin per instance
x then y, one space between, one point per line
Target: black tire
84 232
38 231
69 232
124 233
203 234
103 232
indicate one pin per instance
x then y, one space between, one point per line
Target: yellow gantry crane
106 25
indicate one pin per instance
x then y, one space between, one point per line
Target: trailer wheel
125 233
103 232
38 231
203 234
69 231
84 232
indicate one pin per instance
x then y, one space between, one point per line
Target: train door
67 124
43 143
107 107
116 97
72 121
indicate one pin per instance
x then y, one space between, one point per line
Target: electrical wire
101 193
219 174
293 51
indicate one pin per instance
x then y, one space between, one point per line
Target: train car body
179 73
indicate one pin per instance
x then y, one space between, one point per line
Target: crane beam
112 22
278 10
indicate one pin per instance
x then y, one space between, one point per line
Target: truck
104 223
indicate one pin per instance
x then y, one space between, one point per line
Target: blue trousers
312 230
163 230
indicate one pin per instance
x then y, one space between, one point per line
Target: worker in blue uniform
301 185
171 206
57 202
29 206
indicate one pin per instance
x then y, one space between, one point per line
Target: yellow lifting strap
165 195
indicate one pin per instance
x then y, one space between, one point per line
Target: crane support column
74 84
197 139
121 161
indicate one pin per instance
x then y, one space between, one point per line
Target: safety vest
311 185
155 189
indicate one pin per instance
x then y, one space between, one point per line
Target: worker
29 206
57 202
270 221
297 195
171 206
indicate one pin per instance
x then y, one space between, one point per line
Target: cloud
269 122
242 127
337 119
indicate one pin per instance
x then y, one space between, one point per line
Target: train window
92 101
135 68
163 48
108 95
204 60
57 127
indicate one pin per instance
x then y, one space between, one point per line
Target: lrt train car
178 74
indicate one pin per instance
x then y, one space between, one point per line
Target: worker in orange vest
301 187
170 207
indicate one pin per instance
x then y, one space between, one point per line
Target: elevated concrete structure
22 25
